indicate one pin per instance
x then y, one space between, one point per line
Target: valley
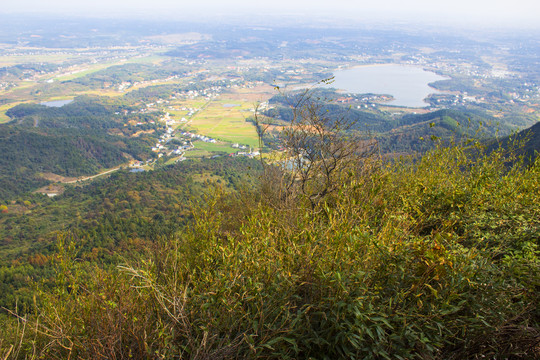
195 189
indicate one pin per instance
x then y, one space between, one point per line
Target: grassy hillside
428 258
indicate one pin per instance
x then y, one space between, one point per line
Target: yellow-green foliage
431 258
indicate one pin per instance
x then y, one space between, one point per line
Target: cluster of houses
443 99
6 85
250 154
139 164
160 147
128 84
198 137
209 93
238 146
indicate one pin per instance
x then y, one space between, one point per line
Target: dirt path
94 176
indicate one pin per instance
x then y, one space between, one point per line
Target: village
184 134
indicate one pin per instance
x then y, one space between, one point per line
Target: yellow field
54 57
152 59
3 117
226 123
253 95
21 85
101 92
3 108
177 81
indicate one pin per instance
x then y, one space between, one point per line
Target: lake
56 103
407 84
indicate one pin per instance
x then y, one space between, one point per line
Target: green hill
77 139
412 133
527 143
109 219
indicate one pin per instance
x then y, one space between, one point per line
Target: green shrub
430 258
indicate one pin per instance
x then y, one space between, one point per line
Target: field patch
3 108
221 121
179 39
253 95
221 147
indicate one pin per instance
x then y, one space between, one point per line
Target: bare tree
321 150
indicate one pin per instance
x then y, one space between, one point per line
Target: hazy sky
486 12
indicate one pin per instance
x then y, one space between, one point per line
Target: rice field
3 108
217 147
225 120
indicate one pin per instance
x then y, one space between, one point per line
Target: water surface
407 84
56 103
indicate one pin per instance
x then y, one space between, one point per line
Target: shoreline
396 95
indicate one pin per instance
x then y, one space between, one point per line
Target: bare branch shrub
321 151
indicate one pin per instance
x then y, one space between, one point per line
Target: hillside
527 142
395 134
412 133
77 139
109 218
429 257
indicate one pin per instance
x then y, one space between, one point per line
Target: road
95 176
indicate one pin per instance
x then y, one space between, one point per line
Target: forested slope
108 219
77 139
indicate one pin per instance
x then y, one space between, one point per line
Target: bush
430 258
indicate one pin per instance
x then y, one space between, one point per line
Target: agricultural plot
253 95
3 108
197 154
10 60
77 73
220 147
101 92
225 120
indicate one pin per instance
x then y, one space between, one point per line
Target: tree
319 148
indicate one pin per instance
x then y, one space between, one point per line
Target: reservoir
136 170
407 84
56 103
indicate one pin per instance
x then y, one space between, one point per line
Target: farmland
226 121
